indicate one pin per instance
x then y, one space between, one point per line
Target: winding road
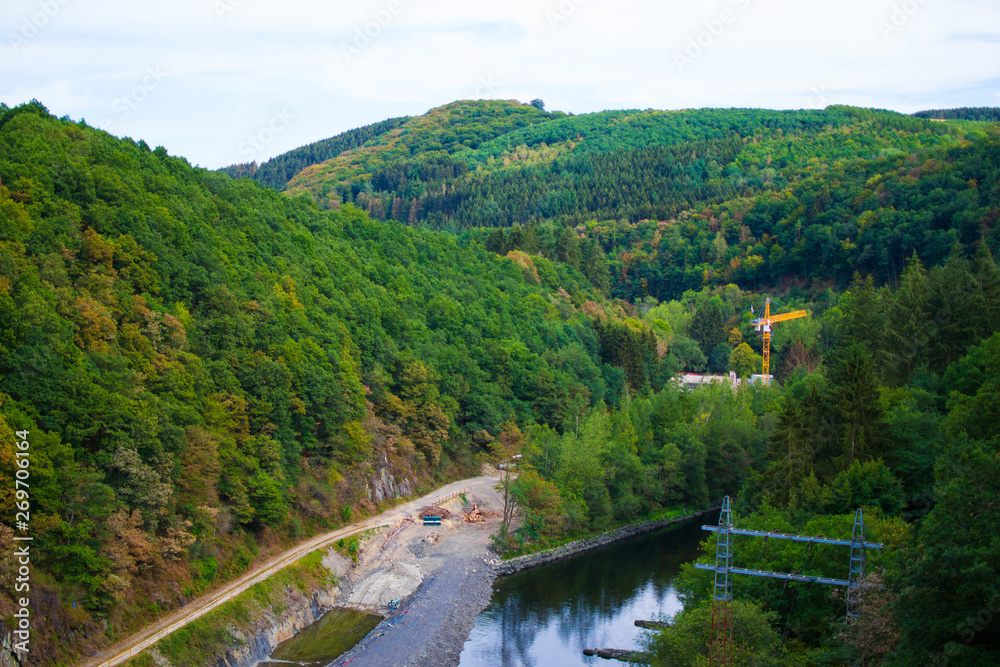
137 643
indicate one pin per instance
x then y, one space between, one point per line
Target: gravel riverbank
448 576
442 576
432 626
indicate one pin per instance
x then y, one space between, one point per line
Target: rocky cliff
256 643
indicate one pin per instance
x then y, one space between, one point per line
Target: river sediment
432 625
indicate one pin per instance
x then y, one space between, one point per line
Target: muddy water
316 645
549 615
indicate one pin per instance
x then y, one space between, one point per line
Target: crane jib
764 324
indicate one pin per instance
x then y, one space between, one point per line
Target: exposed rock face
386 484
256 644
8 658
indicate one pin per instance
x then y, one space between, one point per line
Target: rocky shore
435 622
444 579
432 626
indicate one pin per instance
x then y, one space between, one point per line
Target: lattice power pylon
857 568
720 650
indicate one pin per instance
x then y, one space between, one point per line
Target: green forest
888 402
209 369
677 200
212 366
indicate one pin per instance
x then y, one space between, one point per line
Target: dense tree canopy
199 359
208 368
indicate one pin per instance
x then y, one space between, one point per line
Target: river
549 615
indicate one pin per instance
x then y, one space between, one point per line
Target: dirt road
479 486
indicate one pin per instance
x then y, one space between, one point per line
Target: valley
216 366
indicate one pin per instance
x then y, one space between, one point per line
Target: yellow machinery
764 324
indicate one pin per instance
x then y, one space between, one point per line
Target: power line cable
791 608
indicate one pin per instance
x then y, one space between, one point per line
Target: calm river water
547 616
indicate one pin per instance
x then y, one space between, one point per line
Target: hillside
276 172
208 368
981 114
684 199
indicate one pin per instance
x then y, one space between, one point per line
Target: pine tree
907 331
856 400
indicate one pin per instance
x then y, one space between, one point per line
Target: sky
229 81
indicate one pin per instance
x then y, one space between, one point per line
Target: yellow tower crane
764 324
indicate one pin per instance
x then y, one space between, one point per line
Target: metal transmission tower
857 567
720 651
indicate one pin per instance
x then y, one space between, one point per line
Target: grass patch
350 546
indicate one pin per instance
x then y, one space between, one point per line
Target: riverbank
442 577
237 613
446 582
520 563
432 624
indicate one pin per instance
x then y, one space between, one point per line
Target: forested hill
276 172
473 164
203 363
207 370
675 200
982 114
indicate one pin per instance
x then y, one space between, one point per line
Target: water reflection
547 616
